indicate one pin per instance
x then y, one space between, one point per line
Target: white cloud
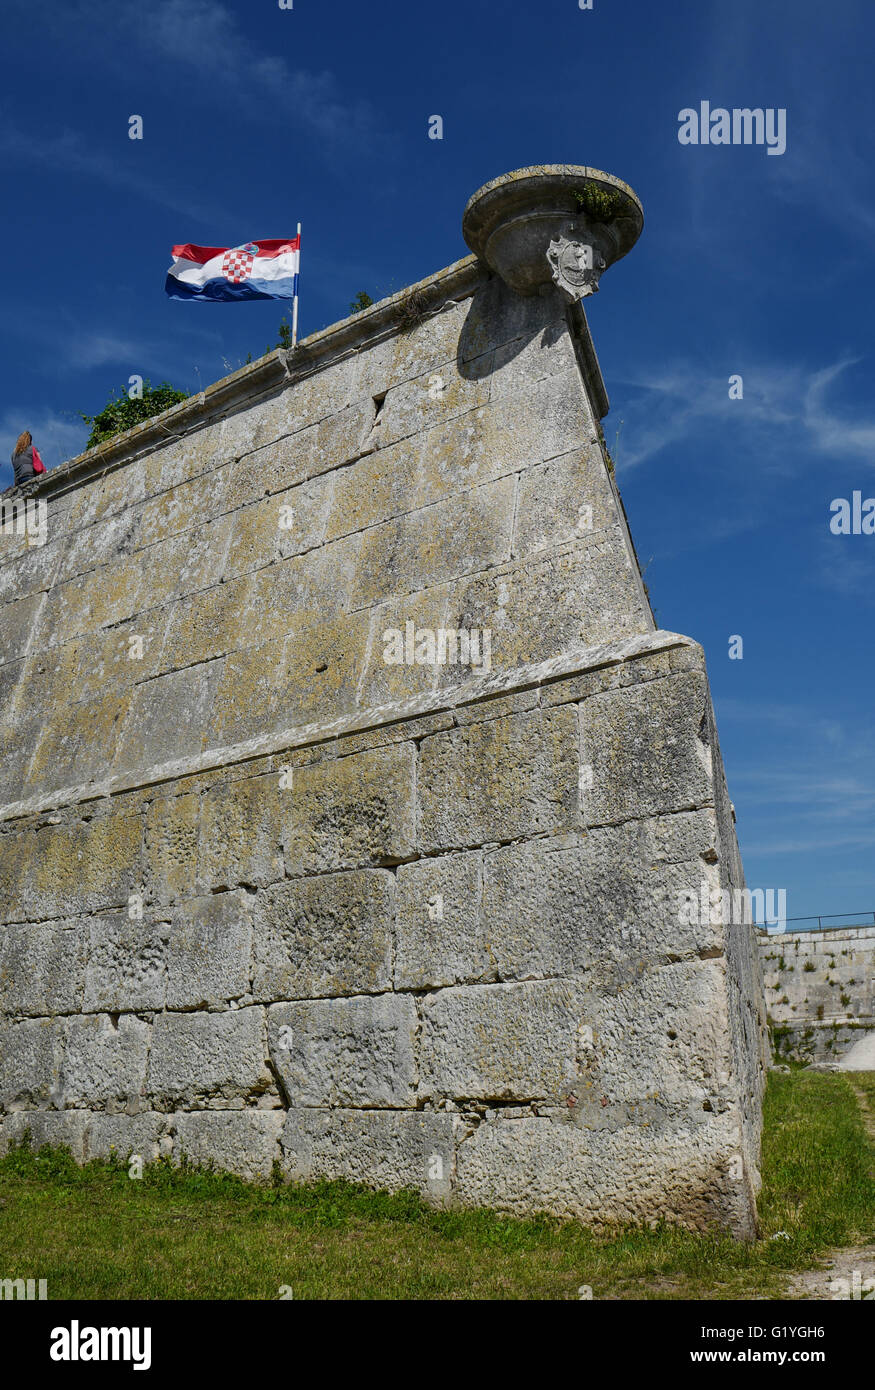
786 405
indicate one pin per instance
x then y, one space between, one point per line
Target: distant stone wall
820 990
269 897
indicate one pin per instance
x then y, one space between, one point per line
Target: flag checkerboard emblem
237 264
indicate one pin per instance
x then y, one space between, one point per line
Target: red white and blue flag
256 270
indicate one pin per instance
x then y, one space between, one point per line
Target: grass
184 1233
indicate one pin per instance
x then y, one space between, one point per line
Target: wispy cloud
205 39
70 153
784 404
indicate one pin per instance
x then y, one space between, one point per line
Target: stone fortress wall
820 990
269 898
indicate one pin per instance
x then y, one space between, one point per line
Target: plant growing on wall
123 411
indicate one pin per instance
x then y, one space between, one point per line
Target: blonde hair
23 442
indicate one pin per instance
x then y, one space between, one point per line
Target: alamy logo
725 907
23 1288
740 126
854 518
25 518
427 646
75 1343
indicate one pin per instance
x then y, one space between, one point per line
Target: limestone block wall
820 990
267 897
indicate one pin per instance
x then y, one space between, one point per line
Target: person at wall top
25 459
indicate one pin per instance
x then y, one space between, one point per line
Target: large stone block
348 1052
208 1058
104 1062
241 833
187 563
168 718
245 1142
563 500
351 812
499 780
42 965
376 487
685 1171
325 936
284 524
19 620
379 1148
65 1129
389 674
85 866
30 1062
120 1136
601 903
647 750
434 398
171 844
579 594
501 1042
440 937
208 952
71 749
207 624
126 963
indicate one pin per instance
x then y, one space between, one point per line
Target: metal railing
857 919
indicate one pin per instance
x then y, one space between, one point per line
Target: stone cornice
476 690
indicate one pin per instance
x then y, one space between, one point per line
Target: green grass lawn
95 1233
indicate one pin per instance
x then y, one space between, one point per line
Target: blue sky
257 117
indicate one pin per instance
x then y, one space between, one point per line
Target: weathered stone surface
41 964
603 902
499 780
208 951
432 399
351 812
648 750
104 1061
347 1052
379 1148
324 936
168 717
437 543
440 937
610 1177
563 500
126 963
501 1042
241 833
61 1129
245 1142
121 1136
203 1058
582 593
171 843
64 870
30 1061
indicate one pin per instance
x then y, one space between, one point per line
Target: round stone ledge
564 223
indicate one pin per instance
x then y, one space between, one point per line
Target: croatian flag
256 270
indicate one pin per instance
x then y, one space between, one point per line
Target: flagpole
295 301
